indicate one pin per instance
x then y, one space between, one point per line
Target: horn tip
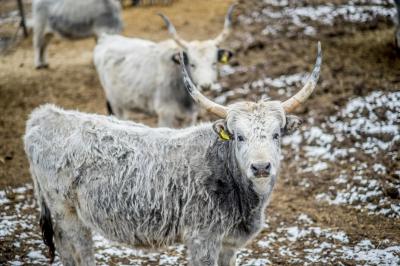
161 15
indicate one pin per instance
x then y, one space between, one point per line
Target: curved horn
172 31
209 105
302 95
227 25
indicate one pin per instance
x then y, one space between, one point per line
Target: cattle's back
80 19
130 182
134 71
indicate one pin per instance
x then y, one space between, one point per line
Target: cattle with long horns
138 74
206 186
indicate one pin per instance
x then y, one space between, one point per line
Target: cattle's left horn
227 25
209 105
172 31
301 96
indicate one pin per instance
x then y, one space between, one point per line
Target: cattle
142 75
71 19
397 32
206 186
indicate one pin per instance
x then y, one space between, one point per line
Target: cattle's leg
204 250
227 256
73 240
167 119
39 39
195 115
109 108
117 111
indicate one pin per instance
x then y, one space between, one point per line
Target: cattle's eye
192 65
240 138
276 136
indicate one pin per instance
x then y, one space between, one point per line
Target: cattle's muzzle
205 86
261 169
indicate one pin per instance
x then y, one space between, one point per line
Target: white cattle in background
72 19
138 74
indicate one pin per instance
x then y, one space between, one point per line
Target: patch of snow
256 262
36 255
281 16
263 85
305 219
379 168
366 252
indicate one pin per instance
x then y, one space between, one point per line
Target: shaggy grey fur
151 187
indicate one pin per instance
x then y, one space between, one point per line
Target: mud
337 201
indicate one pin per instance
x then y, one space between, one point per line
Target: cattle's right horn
302 95
172 31
227 25
209 105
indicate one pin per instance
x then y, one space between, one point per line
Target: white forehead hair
202 48
256 112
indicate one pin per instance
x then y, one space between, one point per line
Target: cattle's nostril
254 168
260 169
206 86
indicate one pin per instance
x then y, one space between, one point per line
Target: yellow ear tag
224 135
224 58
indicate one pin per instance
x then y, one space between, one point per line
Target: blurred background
338 198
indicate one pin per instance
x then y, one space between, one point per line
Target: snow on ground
19 223
307 244
367 126
292 15
357 142
285 85
323 245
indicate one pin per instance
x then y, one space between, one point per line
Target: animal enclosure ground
338 197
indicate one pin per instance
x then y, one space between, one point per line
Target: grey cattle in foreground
72 19
206 186
137 74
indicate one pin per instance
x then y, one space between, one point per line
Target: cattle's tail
46 226
109 109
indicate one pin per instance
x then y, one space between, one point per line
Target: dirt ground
359 60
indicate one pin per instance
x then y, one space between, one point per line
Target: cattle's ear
175 58
224 56
220 128
292 123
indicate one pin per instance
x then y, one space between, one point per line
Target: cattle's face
256 130
203 58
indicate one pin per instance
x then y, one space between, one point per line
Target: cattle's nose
206 86
260 169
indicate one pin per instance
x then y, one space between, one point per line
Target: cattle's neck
177 91
233 192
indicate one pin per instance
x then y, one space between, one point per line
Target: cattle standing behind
72 19
397 31
142 75
206 186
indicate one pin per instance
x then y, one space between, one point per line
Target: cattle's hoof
42 66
